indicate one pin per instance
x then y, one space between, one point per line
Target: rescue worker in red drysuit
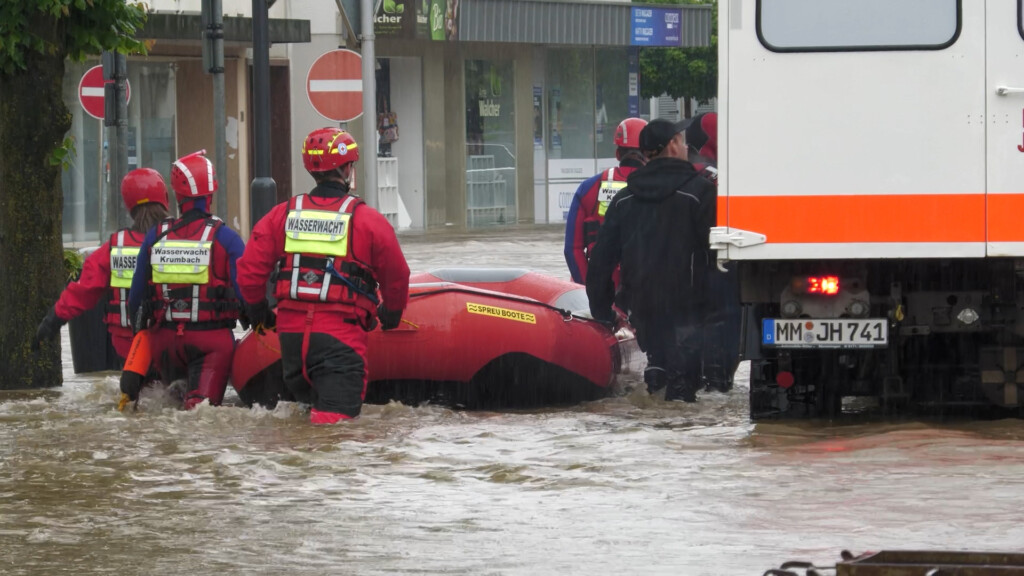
108 270
702 141
185 285
721 341
589 203
331 251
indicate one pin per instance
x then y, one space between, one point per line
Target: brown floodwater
628 485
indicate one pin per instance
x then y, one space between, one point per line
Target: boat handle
1006 90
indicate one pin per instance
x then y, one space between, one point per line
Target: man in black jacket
657 230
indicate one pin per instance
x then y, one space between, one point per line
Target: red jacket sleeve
376 245
91 286
264 249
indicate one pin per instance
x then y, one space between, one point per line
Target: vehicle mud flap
767 399
828 399
1002 376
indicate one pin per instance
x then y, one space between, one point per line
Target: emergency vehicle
871 194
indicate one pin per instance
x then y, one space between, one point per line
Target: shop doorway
490 143
400 166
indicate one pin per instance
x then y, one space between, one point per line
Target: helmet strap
344 180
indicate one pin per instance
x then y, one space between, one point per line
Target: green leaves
63 154
681 72
83 28
72 264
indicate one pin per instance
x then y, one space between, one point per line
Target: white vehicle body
881 141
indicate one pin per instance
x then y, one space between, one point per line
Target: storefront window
151 119
572 125
490 143
571 103
611 97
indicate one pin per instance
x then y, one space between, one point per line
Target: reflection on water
623 485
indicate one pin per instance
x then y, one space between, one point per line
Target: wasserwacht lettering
331 227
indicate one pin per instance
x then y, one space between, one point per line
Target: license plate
832 333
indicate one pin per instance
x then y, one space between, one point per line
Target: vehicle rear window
1020 17
857 25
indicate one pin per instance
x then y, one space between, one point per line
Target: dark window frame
868 48
1020 17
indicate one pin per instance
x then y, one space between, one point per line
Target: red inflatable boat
473 338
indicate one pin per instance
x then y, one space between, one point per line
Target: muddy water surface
627 485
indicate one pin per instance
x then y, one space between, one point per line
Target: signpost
90 92
656 27
334 85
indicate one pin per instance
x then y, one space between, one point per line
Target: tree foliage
36 38
89 27
682 72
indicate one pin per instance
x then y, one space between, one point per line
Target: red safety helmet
141 186
627 135
192 177
328 148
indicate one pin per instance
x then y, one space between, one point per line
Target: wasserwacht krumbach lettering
181 255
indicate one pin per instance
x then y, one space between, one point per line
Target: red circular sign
334 85
90 92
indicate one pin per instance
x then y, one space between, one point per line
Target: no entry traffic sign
334 85
90 92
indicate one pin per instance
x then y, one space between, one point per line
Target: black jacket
657 230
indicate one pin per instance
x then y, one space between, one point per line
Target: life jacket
186 287
610 186
124 251
319 265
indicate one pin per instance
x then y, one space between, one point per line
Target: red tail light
827 285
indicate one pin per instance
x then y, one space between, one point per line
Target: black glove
144 318
389 319
260 314
48 329
607 319
131 383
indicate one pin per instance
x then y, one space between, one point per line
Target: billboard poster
633 89
440 19
394 18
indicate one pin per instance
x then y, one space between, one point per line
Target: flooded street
630 485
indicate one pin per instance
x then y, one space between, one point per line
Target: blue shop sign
656 27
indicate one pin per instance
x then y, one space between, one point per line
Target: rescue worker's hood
330 189
660 178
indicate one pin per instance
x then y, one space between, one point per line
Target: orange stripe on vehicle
1004 218
874 218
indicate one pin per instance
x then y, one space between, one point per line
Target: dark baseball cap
659 132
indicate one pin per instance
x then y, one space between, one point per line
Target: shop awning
189 28
587 23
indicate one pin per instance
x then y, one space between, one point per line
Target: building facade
490 112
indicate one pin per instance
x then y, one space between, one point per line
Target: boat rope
566 314
261 340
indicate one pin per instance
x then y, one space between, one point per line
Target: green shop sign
419 19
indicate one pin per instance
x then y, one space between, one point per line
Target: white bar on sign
335 85
98 92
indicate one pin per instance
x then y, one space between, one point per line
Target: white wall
407 102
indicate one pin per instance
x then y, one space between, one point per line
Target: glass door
490 143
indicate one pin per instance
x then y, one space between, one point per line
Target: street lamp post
263 190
